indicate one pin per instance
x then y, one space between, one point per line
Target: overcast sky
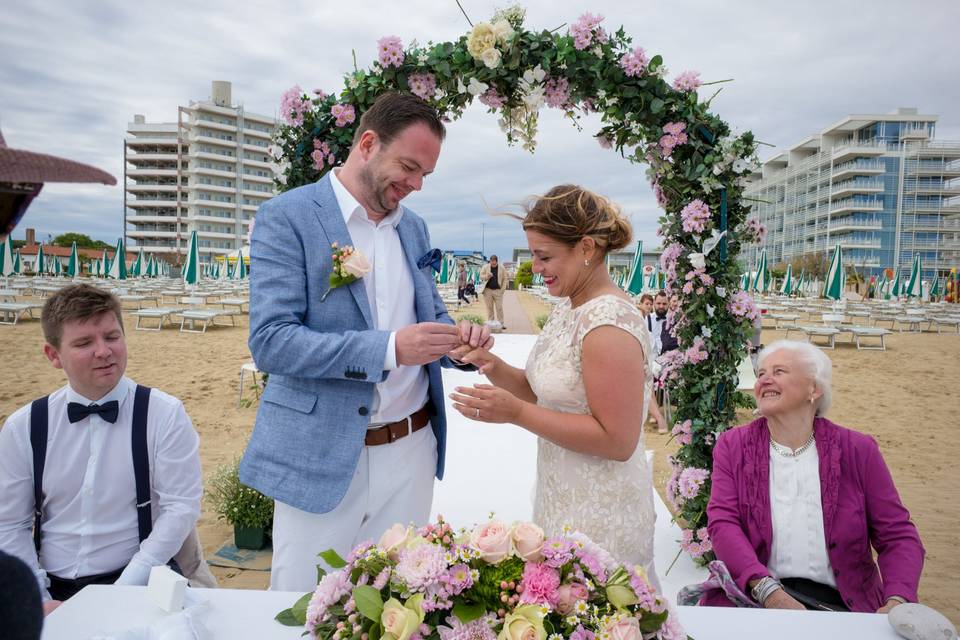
73 73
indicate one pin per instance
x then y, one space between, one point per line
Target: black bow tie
108 411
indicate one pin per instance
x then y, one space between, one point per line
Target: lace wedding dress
608 500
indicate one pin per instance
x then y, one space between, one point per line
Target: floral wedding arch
695 164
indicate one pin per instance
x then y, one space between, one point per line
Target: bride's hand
487 403
481 358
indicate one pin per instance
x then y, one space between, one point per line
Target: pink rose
356 264
568 595
527 539
492 540
394 540
624 628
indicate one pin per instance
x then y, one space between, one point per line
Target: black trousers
66 588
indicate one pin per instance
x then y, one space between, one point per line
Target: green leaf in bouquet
650 622
300 607
375 632
369 602
287 619
468 612
321 572
330 556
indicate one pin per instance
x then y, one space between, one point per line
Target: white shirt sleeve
16 487
390 360
177 487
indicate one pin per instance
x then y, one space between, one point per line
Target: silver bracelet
764 589
899 599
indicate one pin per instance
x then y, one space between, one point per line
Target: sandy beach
902 397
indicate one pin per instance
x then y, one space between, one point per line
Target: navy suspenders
141 461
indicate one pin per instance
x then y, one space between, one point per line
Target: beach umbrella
914 284
104 264
881 283
55 267
17 262
635 283
935 288
833 283
653 283
444 276
787 287
118 268
798 285
896 290
191 270
40 266
6 257
761 279
74 265
240 272
139 266
745 281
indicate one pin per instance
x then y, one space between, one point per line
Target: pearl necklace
787 453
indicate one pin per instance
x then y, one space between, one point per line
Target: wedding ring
478 413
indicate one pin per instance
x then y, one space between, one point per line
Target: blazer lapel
411 241
331 220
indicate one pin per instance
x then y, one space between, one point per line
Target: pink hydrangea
344 113
421 566
423 85
674 134
557 93
293 105
683 432
742 305
634 63
690 481
390 51
695 216
586 30
492 99
696 352
687 81
539 584
331 589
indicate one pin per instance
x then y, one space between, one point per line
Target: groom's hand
422 343
475 335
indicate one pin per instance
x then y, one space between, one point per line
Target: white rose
491 58
527 539
698 260
481 39
503 30
394 539
356 265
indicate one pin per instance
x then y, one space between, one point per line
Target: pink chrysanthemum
423 85
687 81
683 432
586 30
695 216
690 481
634 63
331 589
421 566
344 113
293 105
557 93
390 51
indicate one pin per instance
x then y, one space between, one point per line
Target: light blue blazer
324 358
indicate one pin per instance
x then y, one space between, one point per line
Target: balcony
858 168
154 217
950 208
152 156
141 187
147 141
948 189
213 188
147 203
945 169
851 224
850 187
850 205
855 243
210 124
152 173
151 233
196 138
207 171
857 149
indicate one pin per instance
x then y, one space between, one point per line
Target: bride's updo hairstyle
568 213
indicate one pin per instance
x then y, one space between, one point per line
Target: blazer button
363 411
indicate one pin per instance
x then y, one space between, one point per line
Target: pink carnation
695 216
344 113
321 154
687 81
293 105
635 62
423 85
586 30
539 584
390 51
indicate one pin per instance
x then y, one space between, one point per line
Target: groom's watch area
401 428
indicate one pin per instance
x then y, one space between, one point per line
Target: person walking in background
494 278
462 284
647 306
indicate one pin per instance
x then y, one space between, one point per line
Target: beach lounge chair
859 333
161 314
945 321
830 333
911 321
11 312
234 302
192 315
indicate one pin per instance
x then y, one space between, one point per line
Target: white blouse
799 547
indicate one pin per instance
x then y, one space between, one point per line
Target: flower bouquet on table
496 582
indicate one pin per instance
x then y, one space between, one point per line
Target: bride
586 384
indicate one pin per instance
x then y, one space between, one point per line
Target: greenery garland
696 166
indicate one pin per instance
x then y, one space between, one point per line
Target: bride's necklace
787 453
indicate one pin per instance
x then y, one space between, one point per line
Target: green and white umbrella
801 281
896 290
653 283
104 264
936 288
56 267
635 283
444 270
762 278
833 283
879 285
73 266
745 281
118 268
17 263
191 270
787 287
241 269
139 267
40 266
6 257
538 279
915 283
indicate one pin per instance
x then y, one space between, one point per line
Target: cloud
75 73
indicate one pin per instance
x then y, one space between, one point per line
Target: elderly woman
797 501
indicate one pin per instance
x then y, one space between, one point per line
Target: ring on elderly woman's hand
478 412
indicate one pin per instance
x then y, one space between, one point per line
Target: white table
235 614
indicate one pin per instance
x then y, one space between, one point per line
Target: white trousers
393 483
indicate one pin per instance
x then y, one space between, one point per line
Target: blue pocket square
432 258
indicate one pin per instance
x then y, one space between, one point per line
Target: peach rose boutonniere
349 265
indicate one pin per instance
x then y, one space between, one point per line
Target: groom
341 440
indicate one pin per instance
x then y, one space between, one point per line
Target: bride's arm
613 363
501 374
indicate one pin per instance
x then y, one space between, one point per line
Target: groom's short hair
393 112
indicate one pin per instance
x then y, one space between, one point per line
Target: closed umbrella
936 289
118 268
41 264
17 263
915 283
654 281
801 281
139 267
6 257
635 284
745 281
444 275
191 271
787 287
896 291
73 266
833 284
761 279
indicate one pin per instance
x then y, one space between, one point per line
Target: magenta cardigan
861 508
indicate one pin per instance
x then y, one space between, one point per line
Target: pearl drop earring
586 263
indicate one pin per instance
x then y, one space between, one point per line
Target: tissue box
166 588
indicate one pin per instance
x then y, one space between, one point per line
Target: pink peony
687 81
634 63
390 51
539 584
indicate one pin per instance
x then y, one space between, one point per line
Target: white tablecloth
235 614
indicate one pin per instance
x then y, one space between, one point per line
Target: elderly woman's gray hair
814 360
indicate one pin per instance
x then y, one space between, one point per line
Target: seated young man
115 465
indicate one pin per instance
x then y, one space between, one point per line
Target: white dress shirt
799 548
90 518
390 292
655 326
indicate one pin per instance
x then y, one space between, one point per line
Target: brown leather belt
395 430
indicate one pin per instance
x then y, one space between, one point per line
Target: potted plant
249 511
